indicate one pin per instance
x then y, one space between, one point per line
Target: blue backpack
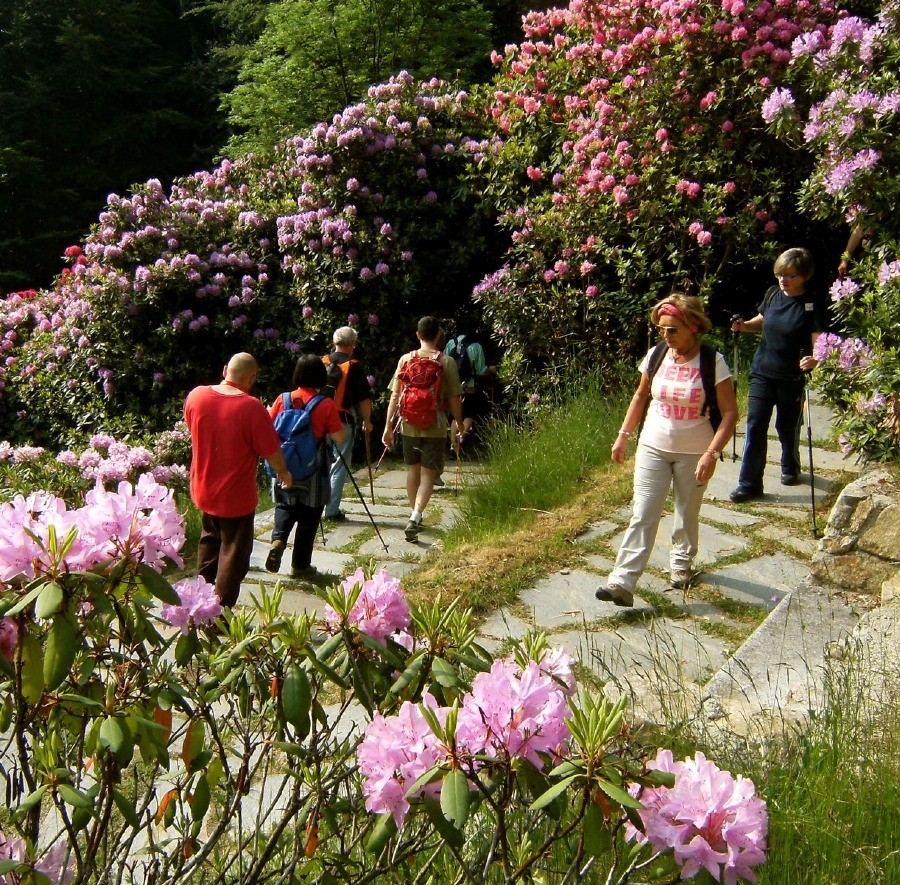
298 445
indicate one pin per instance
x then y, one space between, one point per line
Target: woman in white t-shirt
677 446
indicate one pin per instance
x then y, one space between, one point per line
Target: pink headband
671 310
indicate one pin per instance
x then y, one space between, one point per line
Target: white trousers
655 472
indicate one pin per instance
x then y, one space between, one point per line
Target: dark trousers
288 512
785 397
223 555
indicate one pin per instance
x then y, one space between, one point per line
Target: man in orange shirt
230 431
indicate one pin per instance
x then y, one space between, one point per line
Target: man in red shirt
230 431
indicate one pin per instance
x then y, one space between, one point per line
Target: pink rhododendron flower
712 820
58 865
394 753
381 608
514 712
199 604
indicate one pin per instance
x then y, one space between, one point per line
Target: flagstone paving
642 650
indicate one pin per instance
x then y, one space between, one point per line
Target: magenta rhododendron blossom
394 753
711 819
9 637
514 712
199 604
381 608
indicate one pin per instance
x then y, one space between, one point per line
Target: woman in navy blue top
790 321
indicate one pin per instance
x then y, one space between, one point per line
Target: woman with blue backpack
691 416
303 418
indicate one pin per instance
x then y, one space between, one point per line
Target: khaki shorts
425 450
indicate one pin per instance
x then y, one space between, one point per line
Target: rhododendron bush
842 103
361 221
157 738
634 161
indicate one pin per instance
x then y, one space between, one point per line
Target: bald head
242 369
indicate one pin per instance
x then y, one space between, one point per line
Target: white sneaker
680 578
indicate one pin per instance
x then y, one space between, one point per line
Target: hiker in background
692 414
474 372
790 320
230 432
349 387
302 504
424 387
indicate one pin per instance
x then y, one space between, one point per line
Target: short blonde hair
800 260
691 309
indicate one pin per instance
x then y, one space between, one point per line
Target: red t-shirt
325 417
228 436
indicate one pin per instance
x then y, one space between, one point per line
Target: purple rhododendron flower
888 271
712 820
381 608
843 288
199 604
855 354
777 103
514 712
58 864
827 345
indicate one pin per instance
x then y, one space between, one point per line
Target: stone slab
596 531
503 624
781 666
762 581
339 534
724 516
714 544
803 544
398 546
560 599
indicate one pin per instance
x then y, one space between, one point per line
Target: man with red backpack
348 386
424 387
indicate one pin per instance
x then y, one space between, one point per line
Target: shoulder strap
769 297
656 358
286 401
708 377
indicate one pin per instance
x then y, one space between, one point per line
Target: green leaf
32 668
49 600
382 651
127 809
455 798
384 829
618 794
412 671
658 778
60 651
112 735
597 837
200 800
10 866
72 797
26 600
157 585
433 774
296 699
554 791
450 834
445 673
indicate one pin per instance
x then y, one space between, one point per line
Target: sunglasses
667 330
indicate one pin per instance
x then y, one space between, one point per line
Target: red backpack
420 389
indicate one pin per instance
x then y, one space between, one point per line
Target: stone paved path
676 648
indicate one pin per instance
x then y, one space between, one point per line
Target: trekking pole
363 500
369 465
458 443
386 449
736 360
812 477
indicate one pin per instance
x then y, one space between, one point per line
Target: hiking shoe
273 560
338 516
739 495
308 571
790 479
615 593
679 578
439 482
412 531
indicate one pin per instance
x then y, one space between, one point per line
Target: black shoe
340 516
615 593
739 495
305 573
790 479
273 560
411 531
